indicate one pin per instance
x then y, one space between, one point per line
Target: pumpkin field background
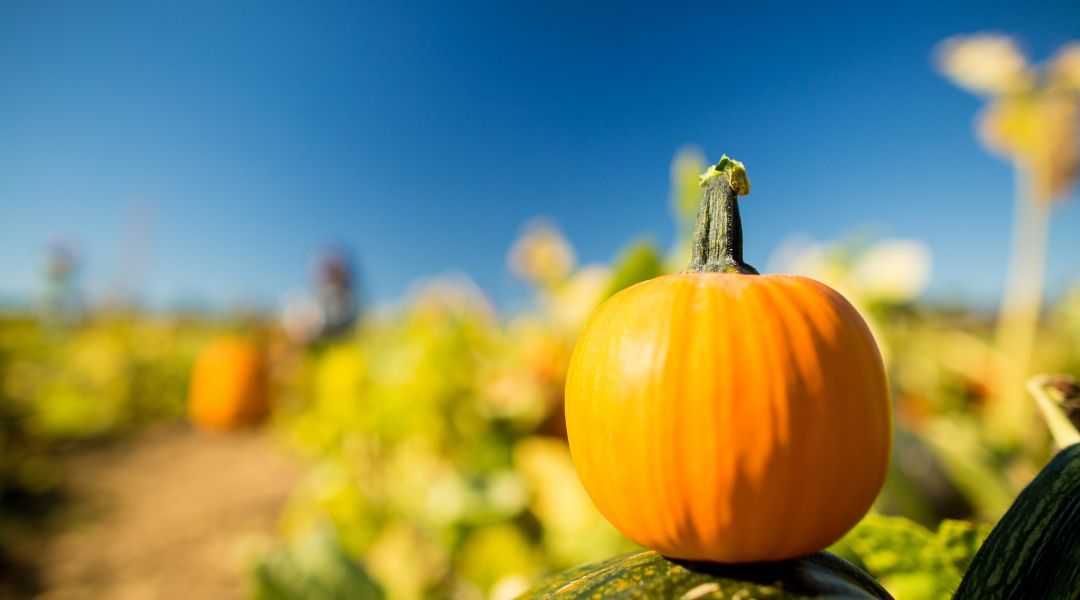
416 448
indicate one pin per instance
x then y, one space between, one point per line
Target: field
422 451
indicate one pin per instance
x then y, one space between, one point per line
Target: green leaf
889 545
640 261
957 442
910 560
315 569
686 169
959 541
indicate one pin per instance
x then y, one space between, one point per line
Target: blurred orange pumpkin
229 385
727 416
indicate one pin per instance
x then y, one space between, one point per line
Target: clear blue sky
214 147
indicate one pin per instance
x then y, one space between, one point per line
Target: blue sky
212 148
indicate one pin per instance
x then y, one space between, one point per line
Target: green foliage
640 261
686 169
910 560
316 568
435 433
91 380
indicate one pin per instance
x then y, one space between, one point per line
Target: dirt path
171 514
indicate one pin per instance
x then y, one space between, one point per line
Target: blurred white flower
1039 133
559 499
686 168
446 498
891 270
541 256
800 254
451 293
1065 68
985 63
509 587
1032 117
894 270
507 493
575 301
301 316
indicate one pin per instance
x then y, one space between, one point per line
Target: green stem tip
718 244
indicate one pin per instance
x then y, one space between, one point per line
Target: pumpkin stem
718 244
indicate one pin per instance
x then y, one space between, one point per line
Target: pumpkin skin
729 417
228 387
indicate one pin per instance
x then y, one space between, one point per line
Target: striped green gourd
649 575
1034 551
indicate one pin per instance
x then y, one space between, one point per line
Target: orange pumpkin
228 387
727 416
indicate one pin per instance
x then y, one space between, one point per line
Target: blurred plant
438 466
301 317
436 433
910 560
61 302
684 199
108 375
439 435
541 256
639 261
1032 119
314 567
874 275
1058 398
98 378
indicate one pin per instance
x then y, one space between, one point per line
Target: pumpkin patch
404 301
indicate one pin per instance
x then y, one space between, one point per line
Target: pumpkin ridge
792 327
841 399
659 519
779 356
723 411
758 476
812 387
676 445
840 323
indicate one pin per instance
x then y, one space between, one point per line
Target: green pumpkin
649 575
1034 551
